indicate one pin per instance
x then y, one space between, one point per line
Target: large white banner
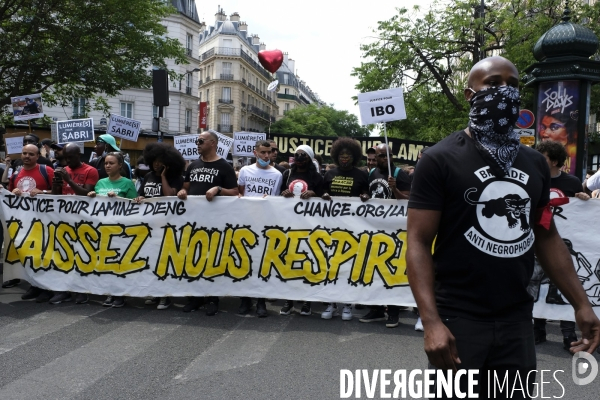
341 250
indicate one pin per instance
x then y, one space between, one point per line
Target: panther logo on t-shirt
503 210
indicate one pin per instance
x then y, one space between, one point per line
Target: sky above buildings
323 36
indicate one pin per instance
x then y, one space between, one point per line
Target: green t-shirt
122 187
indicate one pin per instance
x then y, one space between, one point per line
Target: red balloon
270 59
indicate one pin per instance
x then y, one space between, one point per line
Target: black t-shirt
203 176
483 252
313 179
152 186
379 187
279 168
567 184
350 183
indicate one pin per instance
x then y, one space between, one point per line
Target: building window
189 45
287 91
188 119
126 110
287 106
154 111
595 165
225 123
226 94
190 8
286 79
188 83
79 107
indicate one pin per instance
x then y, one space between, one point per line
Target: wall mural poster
557 117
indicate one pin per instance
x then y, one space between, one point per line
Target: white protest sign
124 128
186 145
27 107
14 145
225 143
75 130
381 106
243 143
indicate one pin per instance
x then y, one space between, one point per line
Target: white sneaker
419 325
164 303
347 313
330 312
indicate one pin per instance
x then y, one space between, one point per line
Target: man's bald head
491 71
72 155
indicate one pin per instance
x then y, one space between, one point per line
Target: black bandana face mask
494 112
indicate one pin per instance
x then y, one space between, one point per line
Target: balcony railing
257 111
188 52
226 101
208 78
242 128
244 81
188 129
225 128
288 96
230 51
243 105
227 77
188 90
199 82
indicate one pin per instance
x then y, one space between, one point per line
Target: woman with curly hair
164 179
346 179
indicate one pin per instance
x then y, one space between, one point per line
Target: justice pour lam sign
381 106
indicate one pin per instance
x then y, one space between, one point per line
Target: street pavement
87 351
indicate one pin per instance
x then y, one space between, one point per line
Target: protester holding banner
561 185
258 180
33 179
385 184
115 185
347 180
141 170
78 179
165 179
208 176
166 176
18 163
483 198
303 175
104 144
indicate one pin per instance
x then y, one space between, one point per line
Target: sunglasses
201 141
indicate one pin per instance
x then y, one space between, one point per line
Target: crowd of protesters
49 168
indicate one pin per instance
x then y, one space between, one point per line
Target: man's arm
439 342
555 259
182 194
241 189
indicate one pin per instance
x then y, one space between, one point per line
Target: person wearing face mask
258 180
347 180
483 197
303 169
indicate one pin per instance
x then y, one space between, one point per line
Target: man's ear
468 94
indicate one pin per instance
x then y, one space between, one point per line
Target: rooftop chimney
220 15
255 39
292 65
235 17
262 47
243 26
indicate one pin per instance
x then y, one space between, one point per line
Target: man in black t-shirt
481 196
208 176
384 184
561 185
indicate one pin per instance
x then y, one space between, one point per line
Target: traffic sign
526 119
163 124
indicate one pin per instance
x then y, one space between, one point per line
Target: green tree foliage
319 120
72 48
430 52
